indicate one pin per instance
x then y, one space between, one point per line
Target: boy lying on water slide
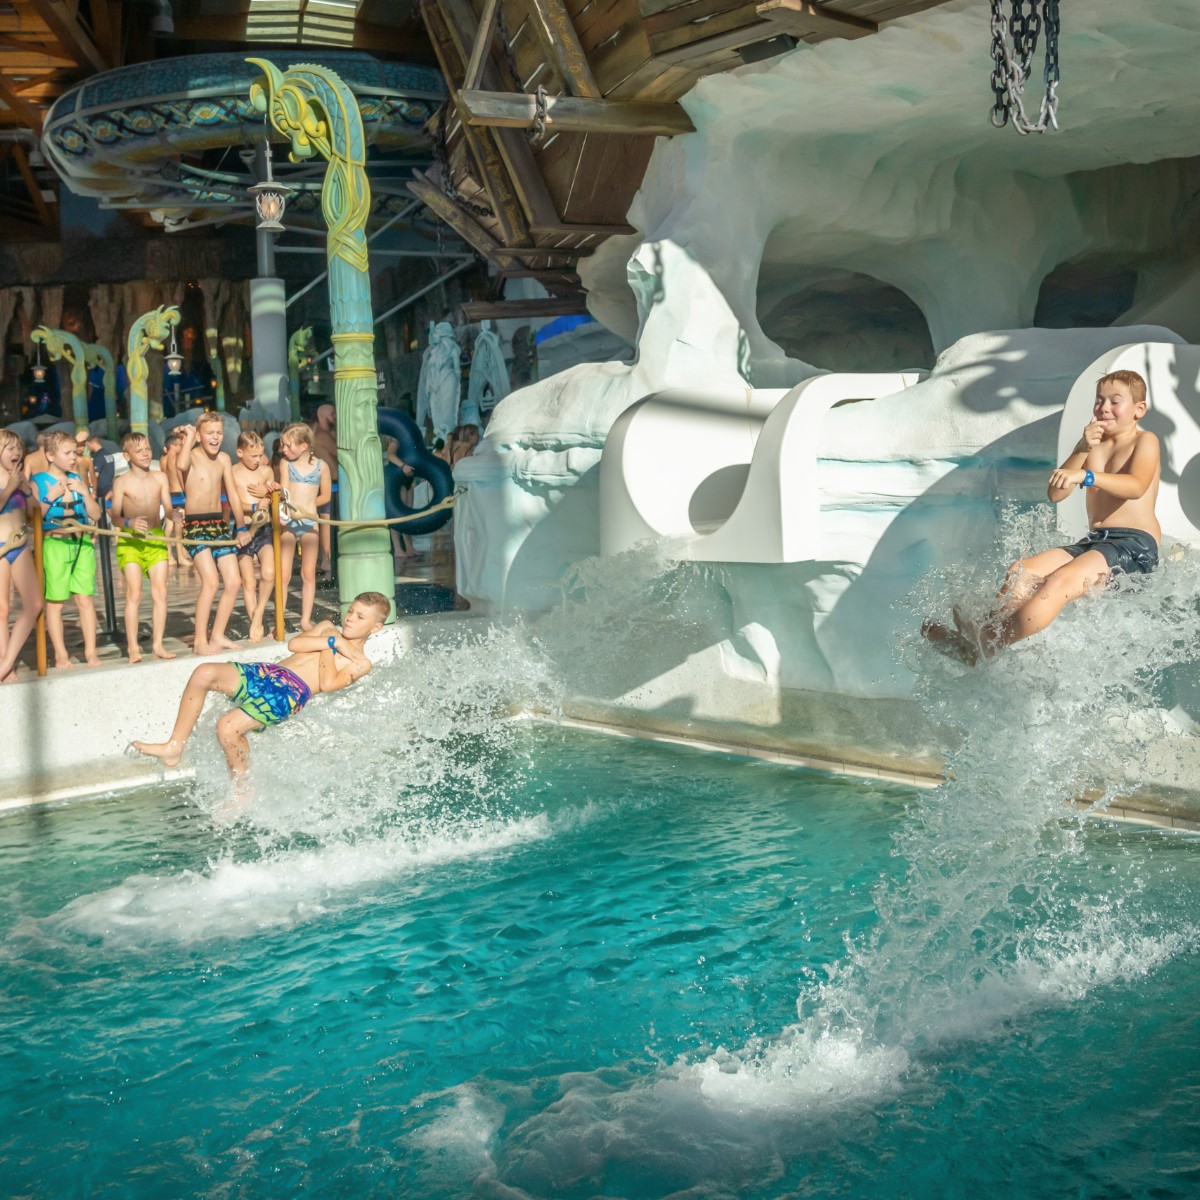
1118 464
322 660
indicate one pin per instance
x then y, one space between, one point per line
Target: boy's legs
1070 581
208 677
309 545
207 570
231 733
266 567
249 590
227 568
158 602
86 607
54 627
1028 574
133 600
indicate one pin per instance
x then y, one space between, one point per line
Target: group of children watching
183 500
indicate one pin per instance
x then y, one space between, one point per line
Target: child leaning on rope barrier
324 659
68 556
1118 463
255 482
206 471
139 499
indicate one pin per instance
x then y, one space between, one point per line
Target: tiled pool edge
1128 812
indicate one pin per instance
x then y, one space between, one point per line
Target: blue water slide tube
399 425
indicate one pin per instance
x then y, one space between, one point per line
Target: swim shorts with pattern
207 527
270 693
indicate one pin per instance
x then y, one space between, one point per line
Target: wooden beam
732 39
511 110
564 228
481 143
801 18
502 310
458 219
483 43
514 147
35 190
62 21
552 23
25 112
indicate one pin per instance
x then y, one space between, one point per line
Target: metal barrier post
35 516
333 537
277 555
106 578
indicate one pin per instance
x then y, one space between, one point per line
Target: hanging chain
1011 69
537 132
541 113
441 157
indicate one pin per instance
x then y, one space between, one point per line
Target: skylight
309 22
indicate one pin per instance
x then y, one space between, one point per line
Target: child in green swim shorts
140 500
68 558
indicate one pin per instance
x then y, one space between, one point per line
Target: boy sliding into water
322 660
254 482
1118 464
206 470
139 499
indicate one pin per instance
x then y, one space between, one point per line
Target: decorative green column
60 344
213 350
317 113
148 332
96 355
300 345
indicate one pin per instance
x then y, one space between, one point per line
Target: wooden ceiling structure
555 106
554 109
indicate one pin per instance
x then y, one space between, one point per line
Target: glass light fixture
270 200
38 369
174 359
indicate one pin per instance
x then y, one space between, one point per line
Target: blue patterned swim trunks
270 693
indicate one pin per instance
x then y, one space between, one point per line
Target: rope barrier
260 518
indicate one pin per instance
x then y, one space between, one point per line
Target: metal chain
441 157
541 113
1011 69
537 132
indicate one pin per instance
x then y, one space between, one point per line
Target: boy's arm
325 487
91 505
117 511
1134 482
333 680
1073 465
183 458
235 500
317 638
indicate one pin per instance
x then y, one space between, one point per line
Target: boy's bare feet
93 661
306 626
223 643
64 664
256 632
162 652
203 649
11 677
135 656
950 642
168 753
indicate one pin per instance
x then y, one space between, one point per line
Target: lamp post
268 304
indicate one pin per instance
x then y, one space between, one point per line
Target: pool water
625 970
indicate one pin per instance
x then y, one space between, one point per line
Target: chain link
441 157
1011 69
537 130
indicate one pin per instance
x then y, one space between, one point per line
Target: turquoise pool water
624 971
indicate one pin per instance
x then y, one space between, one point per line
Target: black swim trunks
259 539
1127 551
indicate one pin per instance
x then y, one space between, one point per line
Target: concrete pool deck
75 727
